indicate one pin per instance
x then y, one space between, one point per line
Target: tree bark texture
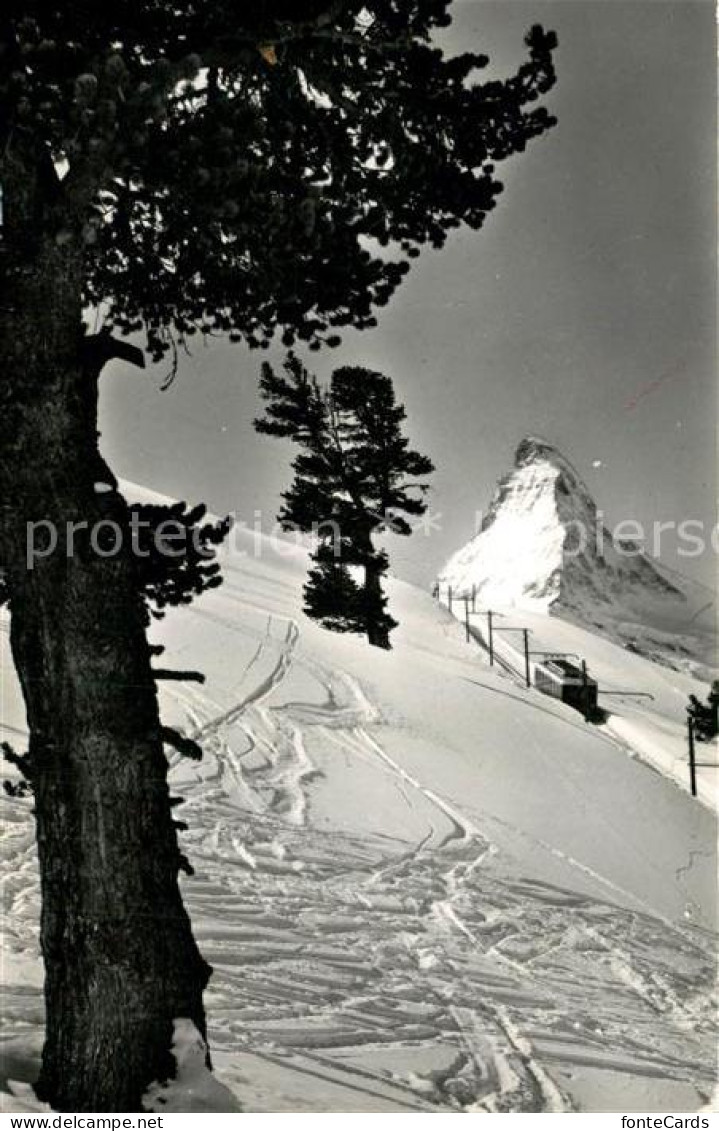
120 959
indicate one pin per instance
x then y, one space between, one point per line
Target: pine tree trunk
120 959
377 631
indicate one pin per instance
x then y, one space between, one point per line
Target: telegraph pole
585 691
692 758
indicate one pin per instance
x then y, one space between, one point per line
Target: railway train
566 681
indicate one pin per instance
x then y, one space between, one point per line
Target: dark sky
584 312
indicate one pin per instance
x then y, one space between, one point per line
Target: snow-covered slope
543 546
643 703
422 887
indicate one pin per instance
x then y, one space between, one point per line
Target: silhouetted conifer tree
355 477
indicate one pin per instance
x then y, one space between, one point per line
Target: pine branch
182 744
98 349
178 676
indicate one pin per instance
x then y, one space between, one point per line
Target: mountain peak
542 546
536 450
532 448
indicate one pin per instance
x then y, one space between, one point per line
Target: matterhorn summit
543 547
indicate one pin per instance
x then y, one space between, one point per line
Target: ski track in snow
416 975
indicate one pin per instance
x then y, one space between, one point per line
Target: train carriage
566 681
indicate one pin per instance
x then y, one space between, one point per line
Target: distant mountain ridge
543 545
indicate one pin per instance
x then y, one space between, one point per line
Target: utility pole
692 758
525 635
467 633
491 638
449 598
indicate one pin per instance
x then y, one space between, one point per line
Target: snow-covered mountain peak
537 453
536 516
533 449
542 545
